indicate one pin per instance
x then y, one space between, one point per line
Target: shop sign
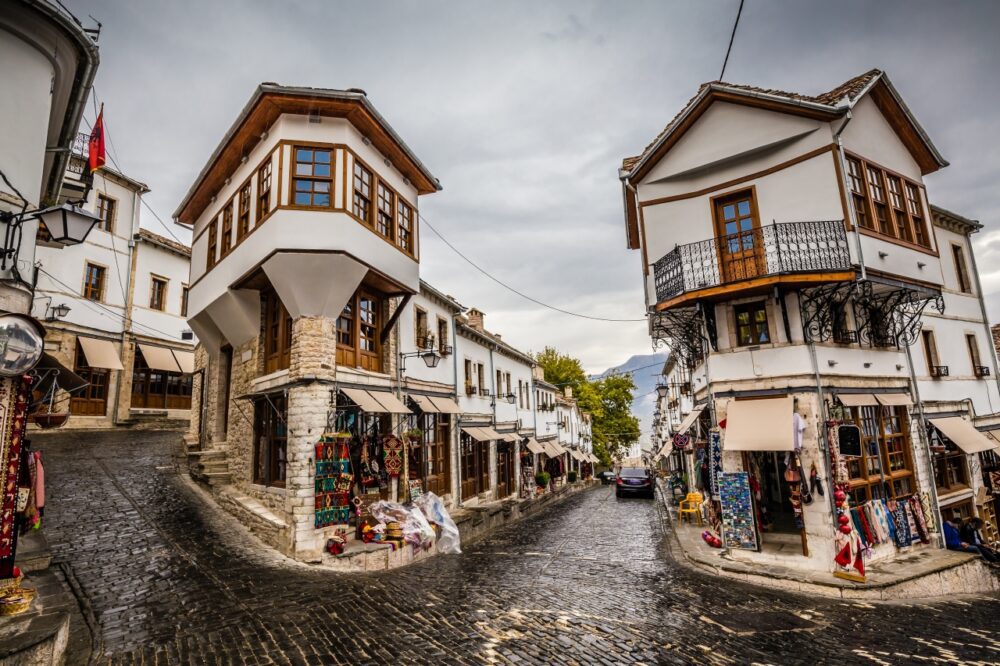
715 462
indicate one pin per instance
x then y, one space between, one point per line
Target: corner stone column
313 354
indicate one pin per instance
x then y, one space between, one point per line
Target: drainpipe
133 248
847 194
456 457
927 445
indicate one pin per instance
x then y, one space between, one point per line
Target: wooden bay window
312 182
885 468
243 213
886 202
264 191
226 242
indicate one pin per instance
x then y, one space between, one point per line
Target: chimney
497 336
539 373
568 391
475 318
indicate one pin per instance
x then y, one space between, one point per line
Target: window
468 377
424 340
430 461
358 329
243 213
159 389
91 400
858 194
964 284
978 369
751 324
481 379
951 473
271 437
442 336
106 209
507 383
157 293
313 177
277 333
264 191
362 205
226 243
185 291
886 202
930 352
499 386
885 468
475 467
93 282
213 240
404 224
384 220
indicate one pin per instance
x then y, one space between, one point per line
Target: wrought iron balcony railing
784 247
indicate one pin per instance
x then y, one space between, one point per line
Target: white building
789 257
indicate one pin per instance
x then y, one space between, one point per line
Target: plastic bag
432 506
416 529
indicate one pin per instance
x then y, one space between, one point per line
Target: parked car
634 481
607 477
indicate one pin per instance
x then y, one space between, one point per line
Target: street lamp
430 357
661 390
66 225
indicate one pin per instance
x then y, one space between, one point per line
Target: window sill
865 231
269 381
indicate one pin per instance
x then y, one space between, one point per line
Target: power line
510 288
731 38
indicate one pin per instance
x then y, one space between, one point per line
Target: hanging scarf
856 519
903 539
918 515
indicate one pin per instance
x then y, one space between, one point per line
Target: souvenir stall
989 502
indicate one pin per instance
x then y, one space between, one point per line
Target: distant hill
645 370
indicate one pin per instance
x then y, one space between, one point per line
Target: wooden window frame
185 296
385 211
406 233
174 388
931 357
442 327
226 238
109 213
421 335
913 219
972 345
944 463
211 258
277 333
265 185
153 280
312 178
354 355
751 308
86 292
468 365
407 242
92 399
873 422
961 268
366 215
243 211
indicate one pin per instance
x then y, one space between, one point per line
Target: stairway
210 466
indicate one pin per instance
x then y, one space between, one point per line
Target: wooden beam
384 335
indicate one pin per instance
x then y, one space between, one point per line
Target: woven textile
13 393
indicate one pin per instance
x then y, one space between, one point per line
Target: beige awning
553 450
490 432
759 425
159 358
185 361
100 353
893 399
364 400
594 459
478 434
534 446
665 450
690 419
445 405
392 404
964 434
857 400
425 404
509 437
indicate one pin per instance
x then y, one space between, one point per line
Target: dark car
634 481
607 478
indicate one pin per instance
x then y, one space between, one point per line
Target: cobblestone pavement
166 578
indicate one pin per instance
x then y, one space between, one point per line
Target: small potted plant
571 476
542 480
414 435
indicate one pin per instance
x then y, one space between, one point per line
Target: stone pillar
124 392
493 470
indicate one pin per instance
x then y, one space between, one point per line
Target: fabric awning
50 370
893 399
100 353
759 425
553 450
478 434
425 404
364 400
185 360
534 446
445 405
690 419
576 455
594 459
491 433
392 404
857 400
665 450
510 437
159 358
964 434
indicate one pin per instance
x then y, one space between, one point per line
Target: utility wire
510 288
731 38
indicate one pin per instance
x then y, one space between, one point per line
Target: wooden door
737 223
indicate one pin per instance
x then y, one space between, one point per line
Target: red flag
95 152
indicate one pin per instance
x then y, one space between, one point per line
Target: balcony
782 249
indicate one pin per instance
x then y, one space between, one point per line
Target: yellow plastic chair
691 506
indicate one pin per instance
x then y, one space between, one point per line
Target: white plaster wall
474 351
444 373
169 323
25 107
900 260
519 370
870 136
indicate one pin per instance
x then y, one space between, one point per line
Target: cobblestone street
166 578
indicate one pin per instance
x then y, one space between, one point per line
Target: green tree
608 401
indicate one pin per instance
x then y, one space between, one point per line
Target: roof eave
924 137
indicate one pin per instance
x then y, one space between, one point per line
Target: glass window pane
321 200
303 169
322 170
729 212
322 156
303 155
302 199
731 227
744 207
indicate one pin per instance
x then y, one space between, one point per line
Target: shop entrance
773 499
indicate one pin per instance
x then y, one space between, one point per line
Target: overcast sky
524 110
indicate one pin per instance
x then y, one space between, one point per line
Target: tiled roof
157 239
851 89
